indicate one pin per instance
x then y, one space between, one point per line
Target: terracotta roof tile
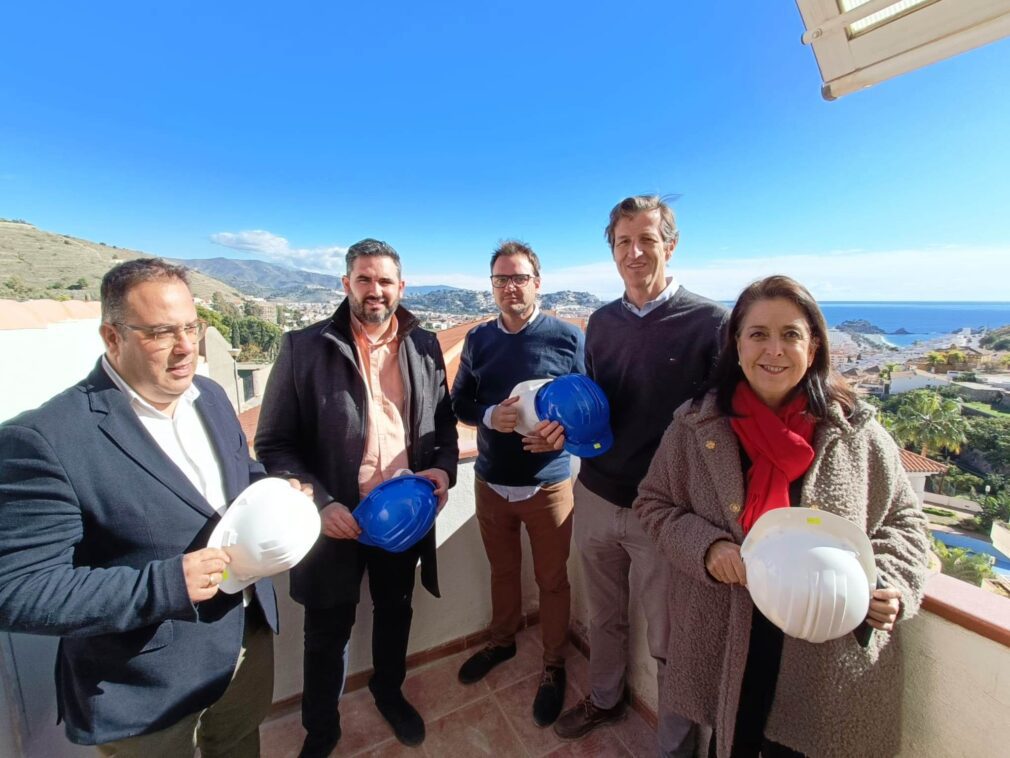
914 463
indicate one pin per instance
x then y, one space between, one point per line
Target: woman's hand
724 563
885 607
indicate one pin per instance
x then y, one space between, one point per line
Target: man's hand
338 522
304 488
441 481
203 570
885 607
724 563
547 437
505 415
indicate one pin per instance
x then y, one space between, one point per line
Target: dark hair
370 248
630 207
821 382
516 247
120 279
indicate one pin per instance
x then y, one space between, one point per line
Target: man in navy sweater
649 351
520 480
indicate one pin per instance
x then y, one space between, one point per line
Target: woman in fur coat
779 427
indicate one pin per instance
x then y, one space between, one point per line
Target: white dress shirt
672 285
182 437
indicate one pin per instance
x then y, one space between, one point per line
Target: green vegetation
929 421
986 408
990 437
997 339
963 564
257 340
939 512
994 508
215 319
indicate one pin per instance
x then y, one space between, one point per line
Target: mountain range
274 282
37 264
41 264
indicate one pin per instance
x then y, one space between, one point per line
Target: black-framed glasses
167 336
519 280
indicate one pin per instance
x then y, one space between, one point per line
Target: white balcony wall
957 691
42 362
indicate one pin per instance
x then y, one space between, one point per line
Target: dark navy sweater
492 363
647 366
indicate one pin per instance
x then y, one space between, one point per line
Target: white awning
859 43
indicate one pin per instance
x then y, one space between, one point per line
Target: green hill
996 339
38 264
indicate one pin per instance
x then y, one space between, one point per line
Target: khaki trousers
230 727
548 520
620 561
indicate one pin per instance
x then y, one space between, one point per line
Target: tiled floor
490 718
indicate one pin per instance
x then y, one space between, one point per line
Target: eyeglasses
502 280
167 336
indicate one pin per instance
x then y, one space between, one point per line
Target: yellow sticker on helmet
597 446
814 520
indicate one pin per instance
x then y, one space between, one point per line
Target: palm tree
886 370
935 359
930 422
955 357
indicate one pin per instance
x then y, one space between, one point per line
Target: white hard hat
267 530
809 572
527 394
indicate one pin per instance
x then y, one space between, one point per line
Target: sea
923 320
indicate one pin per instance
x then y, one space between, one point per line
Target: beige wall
957 692
219 365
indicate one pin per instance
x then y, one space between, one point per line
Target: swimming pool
1002 565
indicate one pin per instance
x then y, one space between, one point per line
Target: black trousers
327 630
757 692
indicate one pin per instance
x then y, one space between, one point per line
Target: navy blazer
94 521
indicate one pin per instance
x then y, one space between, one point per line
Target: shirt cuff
487 416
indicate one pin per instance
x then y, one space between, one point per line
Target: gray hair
120 279
370 248
630 207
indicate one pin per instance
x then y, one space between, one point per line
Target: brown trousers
548 519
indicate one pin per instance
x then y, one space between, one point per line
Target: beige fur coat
834 698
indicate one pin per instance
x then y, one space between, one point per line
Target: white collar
530 320
189 396
672 285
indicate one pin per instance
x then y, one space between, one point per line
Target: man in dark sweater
520 480
650 350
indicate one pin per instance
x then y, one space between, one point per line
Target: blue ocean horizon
924 320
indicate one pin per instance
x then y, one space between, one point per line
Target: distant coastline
922 320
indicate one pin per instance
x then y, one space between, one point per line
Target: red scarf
778 444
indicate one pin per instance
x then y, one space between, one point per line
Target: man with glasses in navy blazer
108 495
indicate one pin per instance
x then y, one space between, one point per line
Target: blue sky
288 131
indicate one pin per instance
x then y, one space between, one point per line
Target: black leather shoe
550 696
477 666
408 726
583 717
319 745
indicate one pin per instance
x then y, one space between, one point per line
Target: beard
367 316
517 307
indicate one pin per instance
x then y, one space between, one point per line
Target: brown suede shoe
584 717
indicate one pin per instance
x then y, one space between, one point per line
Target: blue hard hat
579 405
397 513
